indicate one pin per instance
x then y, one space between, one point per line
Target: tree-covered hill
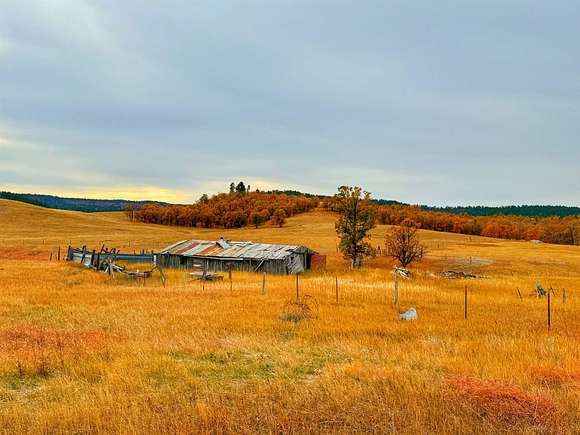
76 204
511 210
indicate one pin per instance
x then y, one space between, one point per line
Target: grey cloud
434 102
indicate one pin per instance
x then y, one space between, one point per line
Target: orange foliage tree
235 209
560 230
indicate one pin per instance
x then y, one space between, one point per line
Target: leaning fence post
50 256
163 279
520 294
84 255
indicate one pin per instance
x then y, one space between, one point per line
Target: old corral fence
98 259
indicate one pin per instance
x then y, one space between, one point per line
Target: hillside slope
35 231
222 357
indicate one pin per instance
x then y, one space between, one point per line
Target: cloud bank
471 102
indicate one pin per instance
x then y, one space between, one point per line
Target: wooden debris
401 271
452 274
540 291
206 276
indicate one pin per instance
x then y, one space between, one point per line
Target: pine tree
241 187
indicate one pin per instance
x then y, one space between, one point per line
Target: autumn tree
357 218
279 217
404 245
256 218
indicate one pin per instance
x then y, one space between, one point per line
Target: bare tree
404 245
130 212
357 218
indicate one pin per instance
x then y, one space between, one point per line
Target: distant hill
292 193
511 210
76 204
100 205
388 202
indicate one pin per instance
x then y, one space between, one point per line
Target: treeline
235 209
511 210
75 204
555 229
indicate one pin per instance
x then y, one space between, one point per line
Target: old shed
223 255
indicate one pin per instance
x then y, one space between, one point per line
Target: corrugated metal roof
231 249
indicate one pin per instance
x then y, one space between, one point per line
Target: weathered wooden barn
224 255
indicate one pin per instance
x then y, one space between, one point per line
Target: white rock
410 314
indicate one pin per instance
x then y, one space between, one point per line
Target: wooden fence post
396 288
297 289
50 256
263 283
163 279
465 304
549 312
84 254
563 296
58 257
520 294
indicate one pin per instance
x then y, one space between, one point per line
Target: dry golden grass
81 352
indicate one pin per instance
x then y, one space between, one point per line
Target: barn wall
276 267
317 262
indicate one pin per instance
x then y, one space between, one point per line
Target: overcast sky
436 102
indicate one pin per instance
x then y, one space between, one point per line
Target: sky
432 102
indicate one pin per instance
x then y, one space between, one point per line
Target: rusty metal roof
231 249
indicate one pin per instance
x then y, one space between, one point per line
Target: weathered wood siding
295 263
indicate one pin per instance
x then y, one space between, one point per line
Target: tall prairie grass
83 352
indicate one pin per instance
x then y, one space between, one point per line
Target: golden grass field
82 352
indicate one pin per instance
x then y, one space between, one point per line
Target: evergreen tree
241 187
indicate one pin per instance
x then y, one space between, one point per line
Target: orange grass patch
26 254
29 338
505 403
555 376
